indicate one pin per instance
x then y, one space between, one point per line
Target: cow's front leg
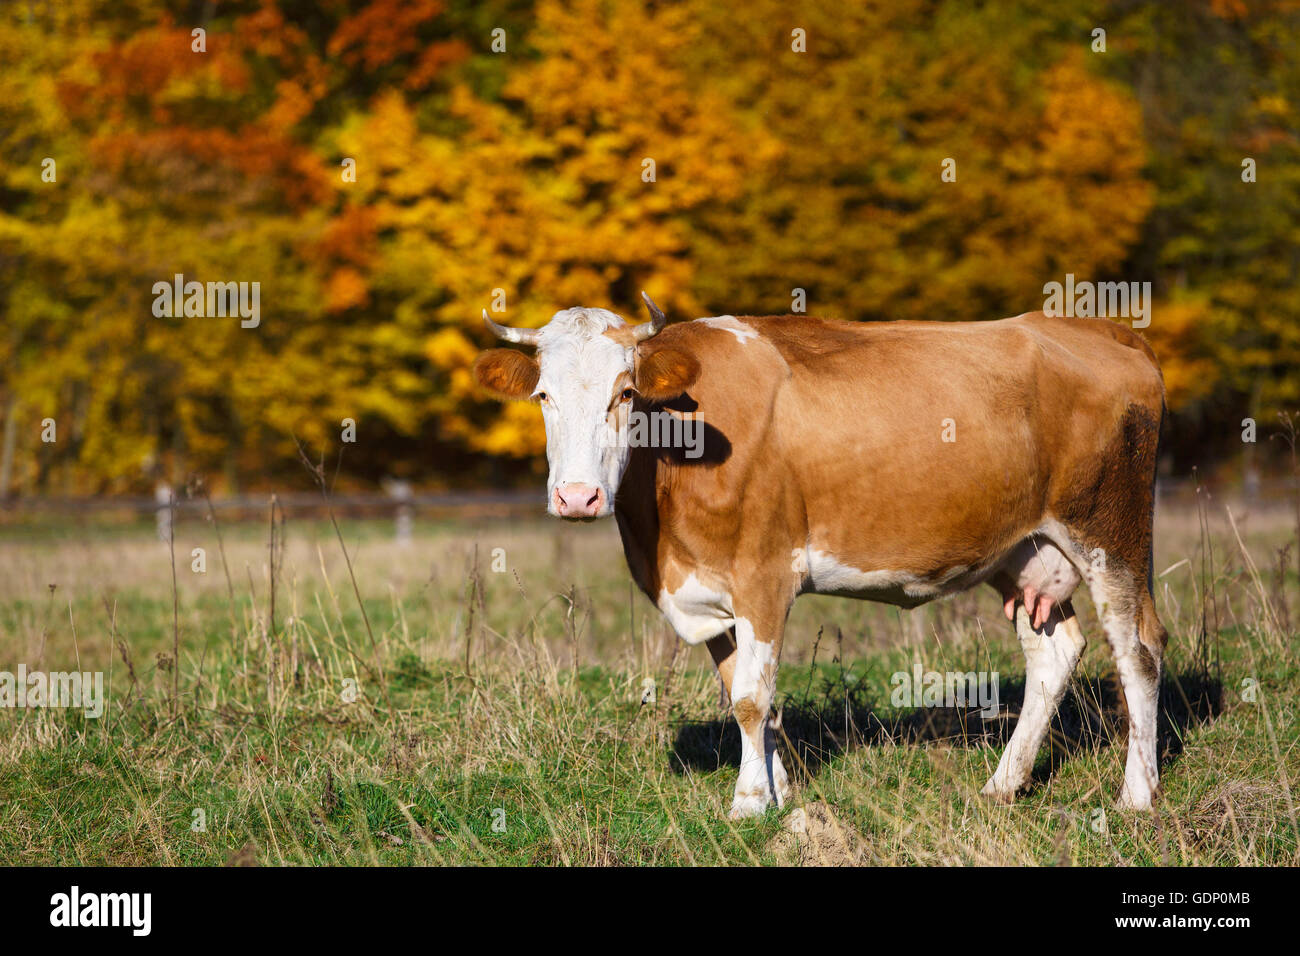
762 779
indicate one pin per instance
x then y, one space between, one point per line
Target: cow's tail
1155 481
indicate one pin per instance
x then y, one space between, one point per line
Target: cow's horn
656 323
505 333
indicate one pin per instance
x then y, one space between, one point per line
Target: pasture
460 704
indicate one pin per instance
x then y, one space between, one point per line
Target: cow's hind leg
762 780
1108 529
1052 651
1137 641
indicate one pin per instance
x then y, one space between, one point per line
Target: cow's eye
542 397
628 393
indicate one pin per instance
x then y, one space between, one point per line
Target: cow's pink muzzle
578 501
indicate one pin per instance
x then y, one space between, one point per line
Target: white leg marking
1141 684
762 780
1050 659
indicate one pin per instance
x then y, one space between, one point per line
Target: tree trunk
7 445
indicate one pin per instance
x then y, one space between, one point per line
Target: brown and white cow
825 469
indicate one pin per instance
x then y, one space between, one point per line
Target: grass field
474 715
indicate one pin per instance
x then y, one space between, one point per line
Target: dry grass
499 715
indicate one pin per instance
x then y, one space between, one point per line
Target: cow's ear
665 373
507 374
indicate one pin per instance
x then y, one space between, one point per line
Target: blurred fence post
1250 485
400 491
7 446
162 496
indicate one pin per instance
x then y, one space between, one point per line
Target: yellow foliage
681 148
1175 329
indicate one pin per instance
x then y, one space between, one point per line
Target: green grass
498 717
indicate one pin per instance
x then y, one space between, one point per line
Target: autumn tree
574 187
386 169
1219 85
195 154
938 161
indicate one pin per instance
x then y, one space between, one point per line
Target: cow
898 462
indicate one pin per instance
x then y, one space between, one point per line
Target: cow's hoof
753 804
1130 801
998 794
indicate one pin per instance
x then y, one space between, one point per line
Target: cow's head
591 370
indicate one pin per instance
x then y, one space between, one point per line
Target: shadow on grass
839 716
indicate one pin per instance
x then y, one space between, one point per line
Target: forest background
385 170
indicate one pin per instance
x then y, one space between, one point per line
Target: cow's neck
637 510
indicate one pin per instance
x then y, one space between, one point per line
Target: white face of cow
585 389
590 366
